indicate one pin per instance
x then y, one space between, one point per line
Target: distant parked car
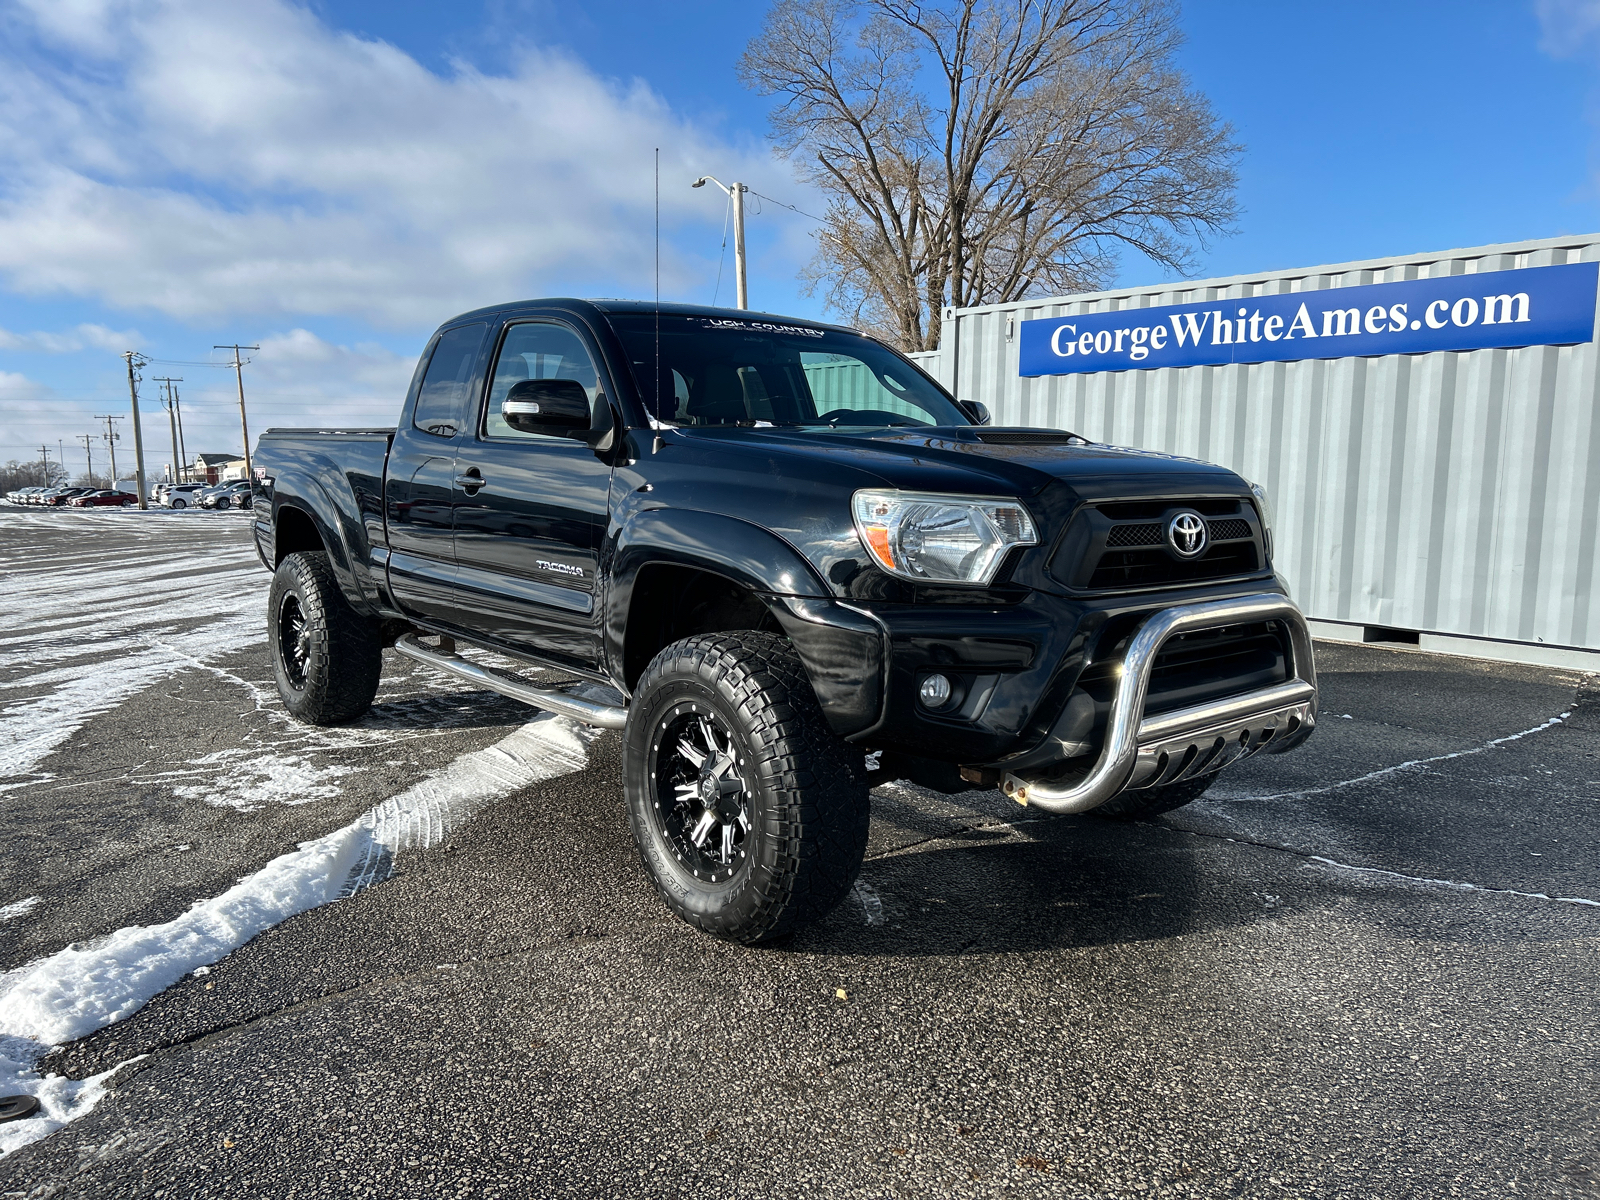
104 498
23 495
58 497
232 495
183 495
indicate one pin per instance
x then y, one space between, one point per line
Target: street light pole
135 361
238 370
735 193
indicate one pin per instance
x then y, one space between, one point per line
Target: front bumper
1140 751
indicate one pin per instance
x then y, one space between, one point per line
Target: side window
537 350
441 402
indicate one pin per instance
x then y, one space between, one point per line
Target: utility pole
735 193
183 449
172 422
111 443
238 370
88 458
44 463
135 361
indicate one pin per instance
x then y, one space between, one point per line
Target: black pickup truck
788 550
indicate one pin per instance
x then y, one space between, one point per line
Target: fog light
935 690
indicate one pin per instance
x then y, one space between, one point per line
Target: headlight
1264 507
940 539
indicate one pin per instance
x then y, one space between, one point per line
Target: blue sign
1535 306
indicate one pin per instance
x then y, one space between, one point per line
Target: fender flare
825 634
334 527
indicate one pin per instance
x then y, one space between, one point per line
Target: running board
604 716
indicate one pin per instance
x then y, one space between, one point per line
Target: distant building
212 468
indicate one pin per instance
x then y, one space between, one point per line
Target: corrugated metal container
1452 493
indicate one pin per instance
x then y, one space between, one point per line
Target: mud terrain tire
749 812
326 657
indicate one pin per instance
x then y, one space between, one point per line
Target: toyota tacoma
781 547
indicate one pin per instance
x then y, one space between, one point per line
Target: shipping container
1449 499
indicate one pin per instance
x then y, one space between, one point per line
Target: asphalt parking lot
1367 969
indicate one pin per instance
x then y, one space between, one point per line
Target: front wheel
179 504
326 656
222 502
749 812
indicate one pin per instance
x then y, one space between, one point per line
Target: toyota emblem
1186 534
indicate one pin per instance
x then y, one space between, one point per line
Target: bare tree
982 151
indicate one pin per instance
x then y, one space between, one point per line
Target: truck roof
608 306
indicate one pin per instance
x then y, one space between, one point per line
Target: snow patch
254 780
871 903
20 908
60 1099
86 987
1412 765
1454 885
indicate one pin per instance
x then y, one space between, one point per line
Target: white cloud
295 379
204 159
1567 26
84 337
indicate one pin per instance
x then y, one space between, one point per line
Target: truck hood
989 460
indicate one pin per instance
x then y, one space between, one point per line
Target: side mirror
554 407
977 410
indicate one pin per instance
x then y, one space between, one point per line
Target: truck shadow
1074 882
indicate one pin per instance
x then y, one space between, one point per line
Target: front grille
1155 535
1149 568
1228 531
1214 663
1134 535
1123 544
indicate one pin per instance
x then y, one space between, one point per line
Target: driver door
530 508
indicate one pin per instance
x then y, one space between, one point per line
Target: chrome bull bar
1142 751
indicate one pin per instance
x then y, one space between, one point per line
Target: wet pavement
1367 968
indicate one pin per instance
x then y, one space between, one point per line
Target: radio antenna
657 397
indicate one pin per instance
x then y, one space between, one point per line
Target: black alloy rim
699 792
294 640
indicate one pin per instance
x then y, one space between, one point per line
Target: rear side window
442 399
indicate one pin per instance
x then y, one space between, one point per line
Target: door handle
470 482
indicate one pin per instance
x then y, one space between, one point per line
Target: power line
781 204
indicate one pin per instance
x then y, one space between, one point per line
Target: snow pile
86 987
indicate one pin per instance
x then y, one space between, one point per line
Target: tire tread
819 817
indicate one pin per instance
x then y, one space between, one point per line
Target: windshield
737 371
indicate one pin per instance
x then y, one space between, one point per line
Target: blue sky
332 179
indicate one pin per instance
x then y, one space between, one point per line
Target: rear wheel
222 502
749 812
179 504
326 657
1149 802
